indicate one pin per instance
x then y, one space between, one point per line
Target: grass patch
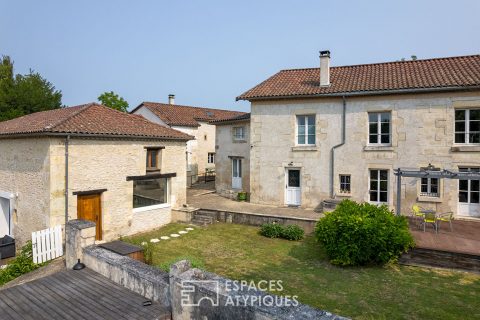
388 292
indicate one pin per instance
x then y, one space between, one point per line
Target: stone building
193 121
91 162
233 155
339 132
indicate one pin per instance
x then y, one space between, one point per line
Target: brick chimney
324 68
171 99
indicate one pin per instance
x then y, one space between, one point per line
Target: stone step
200 219
442 259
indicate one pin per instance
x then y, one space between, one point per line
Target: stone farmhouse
193 121
89 162
232 153
326 133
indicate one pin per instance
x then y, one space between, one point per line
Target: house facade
233 155
194 121
338 133
90 162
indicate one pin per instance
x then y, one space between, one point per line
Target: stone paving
173 235
203 196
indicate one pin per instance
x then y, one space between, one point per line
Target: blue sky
208 52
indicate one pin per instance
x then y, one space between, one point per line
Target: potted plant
242 196
7 247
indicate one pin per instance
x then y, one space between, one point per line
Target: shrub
292 232
271 230
360 234
22 264
274 230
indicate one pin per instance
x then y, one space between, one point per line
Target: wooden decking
465 237
76 295
457 249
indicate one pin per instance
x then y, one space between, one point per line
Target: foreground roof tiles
455 73
88 119
179 115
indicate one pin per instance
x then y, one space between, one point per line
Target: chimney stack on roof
171 99
324 68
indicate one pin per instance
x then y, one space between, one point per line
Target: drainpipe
67 140
332 151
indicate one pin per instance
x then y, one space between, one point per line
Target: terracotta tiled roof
88 119
178 115
242 117
456 73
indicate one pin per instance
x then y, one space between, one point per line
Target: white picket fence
47 244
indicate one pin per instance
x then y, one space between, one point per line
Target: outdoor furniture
417 214
445 217
431 218
7 247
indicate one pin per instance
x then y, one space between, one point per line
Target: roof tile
179 115
88 119
453 72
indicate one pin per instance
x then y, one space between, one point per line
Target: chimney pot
324 68
171 99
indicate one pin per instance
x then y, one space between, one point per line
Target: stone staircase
442 259
202 218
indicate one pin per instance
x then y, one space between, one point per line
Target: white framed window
469 190
211 157
378 186
238 133
150 193
345 183
430 187
306 130
467 126
379 128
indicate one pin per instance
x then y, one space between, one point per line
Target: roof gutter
364 93
87 135
332 151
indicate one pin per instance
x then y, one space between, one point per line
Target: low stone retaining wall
139 277
256 219
198 294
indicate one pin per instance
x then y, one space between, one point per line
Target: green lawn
391 292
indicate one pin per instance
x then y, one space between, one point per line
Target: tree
25 94
114 101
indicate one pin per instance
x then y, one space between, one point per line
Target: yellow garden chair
446 217
432 219
417 214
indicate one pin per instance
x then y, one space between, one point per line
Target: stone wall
105 164
24 172
422 133
256 219
200 147
151 219
197 294
227 147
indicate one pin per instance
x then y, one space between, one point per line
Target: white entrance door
4 216
469 195
237 173
293 192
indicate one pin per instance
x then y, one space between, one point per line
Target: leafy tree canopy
25 94
114 101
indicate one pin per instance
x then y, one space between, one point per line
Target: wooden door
89 207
